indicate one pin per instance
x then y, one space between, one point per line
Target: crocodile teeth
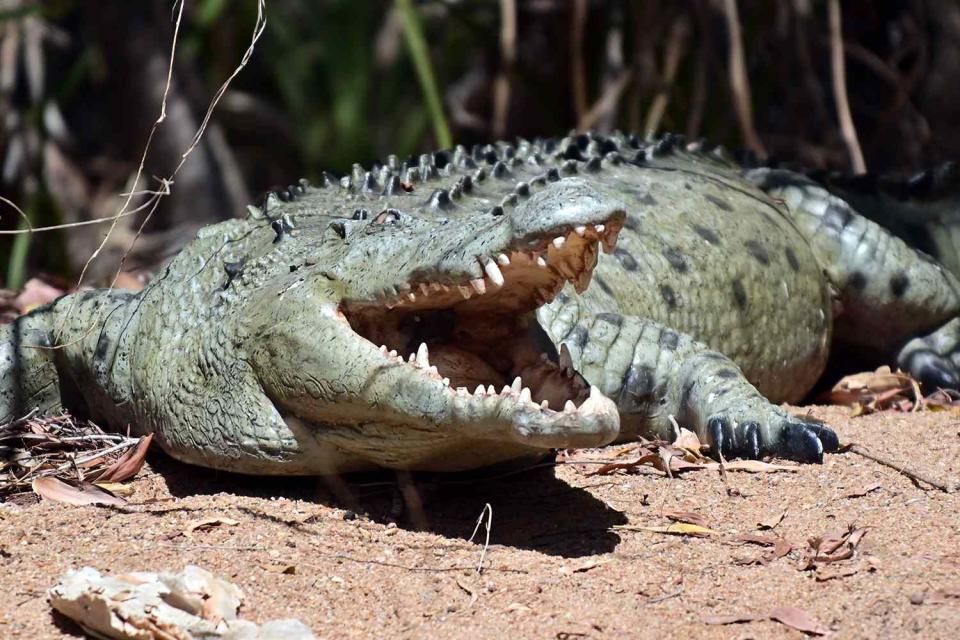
479 391
393 353
569 407
599 228
465 292
423 355
581 230
446 382
541 262
525 395
503 259
479 285
517 384
544 405
383 350
506 389
491 391
494 273
566 362
559 241
424 289
594 403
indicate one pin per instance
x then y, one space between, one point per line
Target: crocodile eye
387 216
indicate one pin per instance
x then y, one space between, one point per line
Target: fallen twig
913 474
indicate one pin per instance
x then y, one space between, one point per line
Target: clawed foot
934 359
781 435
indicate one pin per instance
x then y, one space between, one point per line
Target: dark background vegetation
336 82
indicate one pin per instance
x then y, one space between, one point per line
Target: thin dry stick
508 53
488 511
26 219
739 84
579 80
838 69
913 474
676 49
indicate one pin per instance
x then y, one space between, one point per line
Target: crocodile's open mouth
480 338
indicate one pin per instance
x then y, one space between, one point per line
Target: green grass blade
417 47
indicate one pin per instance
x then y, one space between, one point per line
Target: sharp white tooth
412 358
506 389
517 385
446 382
465 292
569 407
424 289
479 286
558 242
400 359
566 362
541 262
393 353
599 228
383 349
479 391
405 287
544 404
433 369
494 273
491 391
462 391
525 395
595 393
423 355
503 259
411 297
580 229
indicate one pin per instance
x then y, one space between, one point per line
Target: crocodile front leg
654 373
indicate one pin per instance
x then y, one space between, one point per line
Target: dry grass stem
739 83
839 73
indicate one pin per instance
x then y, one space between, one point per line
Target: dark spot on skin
103 344
600 282
669 295
563 298
686 185
719 202
707 234
669 339
626 260
611 318
647 199
632 223
676 259
899 285
837 217
579 335
686 391
857 281
739 294
792 259
757 251
727 374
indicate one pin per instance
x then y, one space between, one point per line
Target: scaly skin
258 348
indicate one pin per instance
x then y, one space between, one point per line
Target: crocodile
476 306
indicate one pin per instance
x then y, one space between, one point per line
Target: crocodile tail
922 209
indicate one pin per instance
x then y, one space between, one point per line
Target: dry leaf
798 619
833 547
55 490
686 516
129 464
208 523
875 391
688 440
117 489
858 493
753 466
771 522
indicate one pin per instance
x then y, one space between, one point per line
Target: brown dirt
557 563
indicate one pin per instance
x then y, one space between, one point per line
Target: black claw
828 437
721 436
750 448
799 442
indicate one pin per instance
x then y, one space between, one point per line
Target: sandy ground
568 557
